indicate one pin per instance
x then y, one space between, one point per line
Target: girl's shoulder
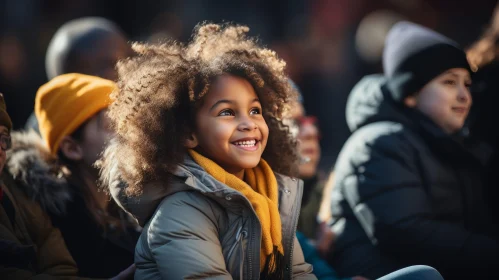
288 182
188 200
188 197
186 211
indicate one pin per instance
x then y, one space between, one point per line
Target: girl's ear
71 149
191 141
411 101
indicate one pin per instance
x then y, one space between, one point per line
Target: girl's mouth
309 151
247 145
460 110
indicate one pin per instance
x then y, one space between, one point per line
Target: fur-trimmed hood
37 173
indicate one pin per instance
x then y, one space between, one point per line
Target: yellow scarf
260 189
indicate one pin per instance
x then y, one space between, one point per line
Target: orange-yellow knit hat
66 102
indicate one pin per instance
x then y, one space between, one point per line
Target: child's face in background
308 141
230 128
3 153
96 135
446 99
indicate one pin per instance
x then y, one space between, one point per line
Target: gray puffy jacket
196 228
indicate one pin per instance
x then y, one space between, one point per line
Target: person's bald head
89 46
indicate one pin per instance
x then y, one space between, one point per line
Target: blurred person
308 224
30 246
307 133
407 188
371 33
72 109
483 56
89 45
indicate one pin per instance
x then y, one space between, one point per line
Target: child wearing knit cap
58 172
408 187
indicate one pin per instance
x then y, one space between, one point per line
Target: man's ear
71 149
411 101
191 141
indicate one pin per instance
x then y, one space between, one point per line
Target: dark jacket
98 252
406 193
483 118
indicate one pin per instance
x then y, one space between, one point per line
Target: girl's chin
249 164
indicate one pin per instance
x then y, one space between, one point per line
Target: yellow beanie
66 102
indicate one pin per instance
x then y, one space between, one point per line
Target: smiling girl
199 144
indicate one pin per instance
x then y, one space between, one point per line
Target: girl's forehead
228 86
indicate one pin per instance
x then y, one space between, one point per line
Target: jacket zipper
293 233
250 259
244 234
239 235
252 238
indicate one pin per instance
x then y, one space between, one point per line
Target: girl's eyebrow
467 78
226 101
222 101
450 72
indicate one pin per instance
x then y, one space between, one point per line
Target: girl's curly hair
160 89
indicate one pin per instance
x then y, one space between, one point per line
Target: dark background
328 44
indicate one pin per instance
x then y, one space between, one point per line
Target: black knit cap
415 55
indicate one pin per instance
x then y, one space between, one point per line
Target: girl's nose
464 95
247 124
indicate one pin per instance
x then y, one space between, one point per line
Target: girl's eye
255 111
226 112
450 82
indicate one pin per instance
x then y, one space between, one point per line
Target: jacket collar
188 176
37 173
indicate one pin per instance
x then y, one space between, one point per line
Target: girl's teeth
246 143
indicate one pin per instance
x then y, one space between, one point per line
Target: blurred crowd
328 45
389 107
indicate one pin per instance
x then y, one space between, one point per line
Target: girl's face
308 141
446 99
96 135
230 128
